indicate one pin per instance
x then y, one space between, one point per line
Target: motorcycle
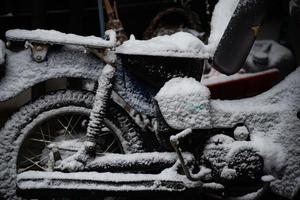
143 122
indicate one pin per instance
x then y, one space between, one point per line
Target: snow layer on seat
183 44
180 44
56 37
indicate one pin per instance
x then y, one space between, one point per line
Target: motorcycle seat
180 44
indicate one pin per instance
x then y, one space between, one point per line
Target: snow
176 138
267 178
273 154
8 153
101 99
222 14
137 159
108 181
21 71
241 133
181 100
228 174
56 37
100 181
213 186
271 119
274 129
184 87
180 44
2 52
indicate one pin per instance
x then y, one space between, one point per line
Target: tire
18 128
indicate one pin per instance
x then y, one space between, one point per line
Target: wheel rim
67 132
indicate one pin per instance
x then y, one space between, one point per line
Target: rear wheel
59 120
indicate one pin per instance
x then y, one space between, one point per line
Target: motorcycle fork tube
103 93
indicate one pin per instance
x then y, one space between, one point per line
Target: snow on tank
181 100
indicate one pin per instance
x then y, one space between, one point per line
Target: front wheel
58 119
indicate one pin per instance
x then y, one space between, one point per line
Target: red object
245 85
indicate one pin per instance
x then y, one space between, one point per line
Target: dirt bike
143 122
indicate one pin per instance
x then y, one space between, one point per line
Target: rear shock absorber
99 107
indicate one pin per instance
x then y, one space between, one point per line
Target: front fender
21 72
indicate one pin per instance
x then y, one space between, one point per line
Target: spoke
32 158
110 145
81 138
115 149
39 140
73 127
62 125
103 134
43 136
66 130
48 130
35 163
76 122
71 118
33 154
25 169
65 149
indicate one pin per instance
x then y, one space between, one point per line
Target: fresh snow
21 72
222 13
2 52
181 100
179 44
270 117
56 37
144 159
241 133
99 181
267 178
184 44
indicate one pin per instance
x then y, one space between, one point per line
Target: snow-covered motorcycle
148 125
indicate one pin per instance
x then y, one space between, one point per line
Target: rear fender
21 72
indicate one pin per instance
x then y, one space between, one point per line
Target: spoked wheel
58 121
66 132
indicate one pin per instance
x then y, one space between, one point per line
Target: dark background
79 16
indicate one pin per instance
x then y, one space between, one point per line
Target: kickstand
175 139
